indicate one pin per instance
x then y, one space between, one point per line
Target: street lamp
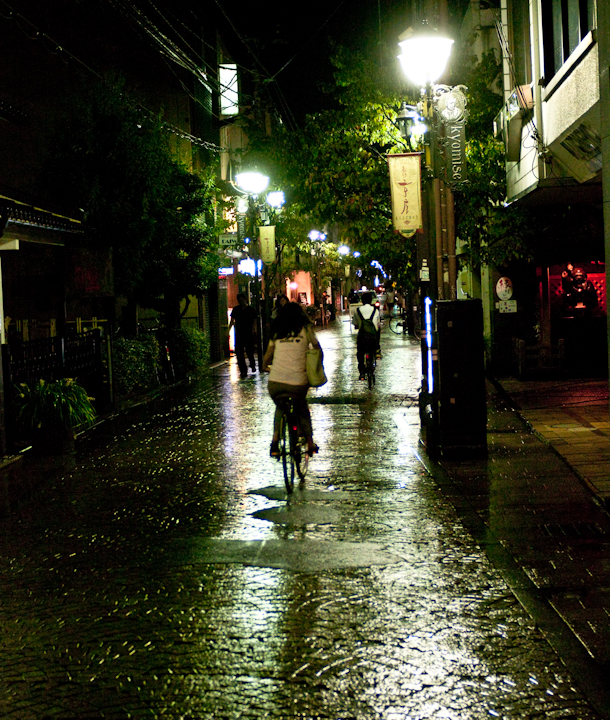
424 56
253 184
445 382
317 251
276 199
410 123
314 235
425 53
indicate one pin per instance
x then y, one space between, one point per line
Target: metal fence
53 358
83 357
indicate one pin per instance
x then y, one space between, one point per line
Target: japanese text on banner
405 188
267 235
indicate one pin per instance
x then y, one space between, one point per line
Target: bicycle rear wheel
370 370
397 325
287 459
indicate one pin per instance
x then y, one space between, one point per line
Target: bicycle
293 449
399 325
369 366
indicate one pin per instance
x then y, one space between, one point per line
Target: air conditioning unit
509 120
580 152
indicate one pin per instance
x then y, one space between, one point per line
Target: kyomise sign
455 153
451 110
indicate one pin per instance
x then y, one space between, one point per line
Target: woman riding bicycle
285 359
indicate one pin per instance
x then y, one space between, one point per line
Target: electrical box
460 391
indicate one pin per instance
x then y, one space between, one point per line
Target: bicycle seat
284 400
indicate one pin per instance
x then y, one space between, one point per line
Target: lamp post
253 184
425 53
272 253
317 252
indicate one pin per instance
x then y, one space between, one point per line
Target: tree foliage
492 232
334 168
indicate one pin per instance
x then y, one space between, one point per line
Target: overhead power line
34 33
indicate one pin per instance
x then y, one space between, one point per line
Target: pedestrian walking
400 301
243 319
390 299
280 301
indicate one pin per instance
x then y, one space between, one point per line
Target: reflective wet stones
166 576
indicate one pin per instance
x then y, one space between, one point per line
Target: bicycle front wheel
287 459
397 325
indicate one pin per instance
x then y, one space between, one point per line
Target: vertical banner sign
405 188
241 226
267 235
455 154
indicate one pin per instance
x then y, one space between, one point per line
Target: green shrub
135 364
45 405
190 351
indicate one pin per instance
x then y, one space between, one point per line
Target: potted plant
48 413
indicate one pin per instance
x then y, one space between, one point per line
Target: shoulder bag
315 369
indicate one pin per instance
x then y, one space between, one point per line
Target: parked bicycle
399 325
293 449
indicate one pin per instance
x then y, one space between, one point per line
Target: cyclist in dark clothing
367 342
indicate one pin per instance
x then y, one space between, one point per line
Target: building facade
177 60
552 125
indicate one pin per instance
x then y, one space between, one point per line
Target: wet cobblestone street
163 574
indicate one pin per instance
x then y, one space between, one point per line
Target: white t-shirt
367 311
289 364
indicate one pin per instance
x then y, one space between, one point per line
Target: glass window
564 24
521 42
573 18
229 91
557 35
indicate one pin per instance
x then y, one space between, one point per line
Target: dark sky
292 42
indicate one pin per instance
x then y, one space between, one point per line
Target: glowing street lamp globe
316 235
276 199
425 53
253 183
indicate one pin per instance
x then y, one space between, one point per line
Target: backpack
367 330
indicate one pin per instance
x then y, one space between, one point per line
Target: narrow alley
163 574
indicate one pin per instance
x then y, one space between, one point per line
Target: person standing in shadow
243 319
